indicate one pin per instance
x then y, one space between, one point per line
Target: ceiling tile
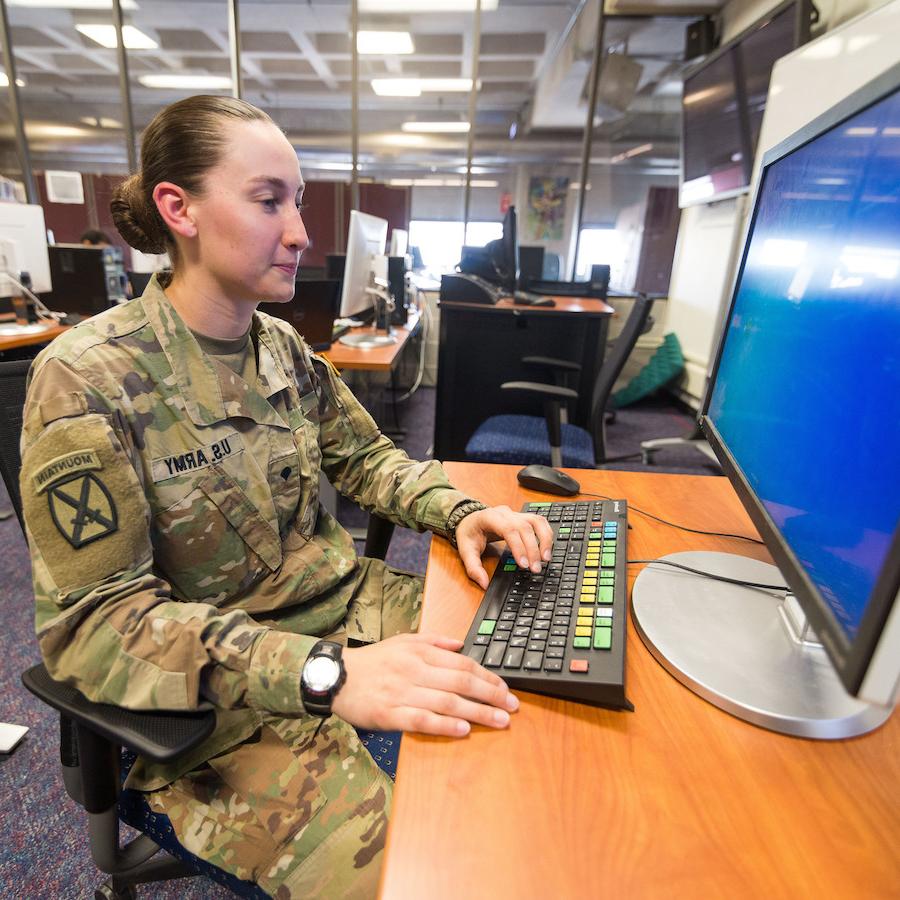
70 61
368 68
308 87
438 44
506 68
512 44
442 68
267 42
186 39
285 66
332 44
32 37
215 65
504 87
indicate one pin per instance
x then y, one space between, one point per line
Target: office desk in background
372 359
677 799
32 340
481 346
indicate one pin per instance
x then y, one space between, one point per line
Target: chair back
13 378
612 367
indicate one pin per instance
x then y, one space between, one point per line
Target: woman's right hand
418 682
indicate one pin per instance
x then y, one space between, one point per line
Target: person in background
93 237
172 449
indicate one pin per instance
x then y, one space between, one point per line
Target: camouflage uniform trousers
302 817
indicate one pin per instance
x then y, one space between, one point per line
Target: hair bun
136 217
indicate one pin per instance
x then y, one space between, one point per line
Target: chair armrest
159 736
554 391
378 537
551 362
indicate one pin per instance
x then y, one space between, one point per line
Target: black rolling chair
99 742
522 440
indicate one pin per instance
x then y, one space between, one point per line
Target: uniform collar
211 392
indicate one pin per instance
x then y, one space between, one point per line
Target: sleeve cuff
274 676
439 508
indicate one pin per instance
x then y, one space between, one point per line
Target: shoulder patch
83 509
65 466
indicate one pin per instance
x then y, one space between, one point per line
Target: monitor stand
748 651
363 340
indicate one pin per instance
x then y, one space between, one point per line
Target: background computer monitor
312 310
23 247
531 263
504 253
803 411
365 241
399 242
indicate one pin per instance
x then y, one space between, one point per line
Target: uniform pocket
214 543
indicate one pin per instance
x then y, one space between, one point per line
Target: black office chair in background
99 742
523 440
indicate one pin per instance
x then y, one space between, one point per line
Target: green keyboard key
487 626
608 560
605 593
583 643
602 638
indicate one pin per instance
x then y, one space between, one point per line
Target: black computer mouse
547 479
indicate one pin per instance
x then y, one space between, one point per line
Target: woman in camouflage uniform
171 457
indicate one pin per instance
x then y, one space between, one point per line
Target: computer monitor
399 242
531 263
23 247
365 242
803 412
504 253
311 312
86 280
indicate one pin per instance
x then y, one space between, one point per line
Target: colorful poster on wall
546 216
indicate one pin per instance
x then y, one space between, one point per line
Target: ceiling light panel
384 43
406 6
186 82
70 4
436 127
105 35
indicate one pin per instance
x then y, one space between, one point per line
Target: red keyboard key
578 665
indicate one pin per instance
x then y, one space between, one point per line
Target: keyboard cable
740 537
738 581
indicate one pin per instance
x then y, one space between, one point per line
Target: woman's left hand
528 537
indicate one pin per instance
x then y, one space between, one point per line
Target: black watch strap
318 702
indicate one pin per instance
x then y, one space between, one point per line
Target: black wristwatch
322 677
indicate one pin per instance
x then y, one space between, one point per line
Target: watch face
321 674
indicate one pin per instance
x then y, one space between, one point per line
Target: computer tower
397 268
86 280
334 266
531 264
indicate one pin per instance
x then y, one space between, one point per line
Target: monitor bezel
851 657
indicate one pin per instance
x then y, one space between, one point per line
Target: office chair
521 440
99 742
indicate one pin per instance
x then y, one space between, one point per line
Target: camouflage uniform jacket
179 551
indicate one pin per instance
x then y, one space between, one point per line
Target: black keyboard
562 632
526 298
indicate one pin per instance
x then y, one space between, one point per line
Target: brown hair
182 143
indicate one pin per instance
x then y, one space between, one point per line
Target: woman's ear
172 203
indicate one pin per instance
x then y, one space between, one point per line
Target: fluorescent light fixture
187 82
415 87
4 80
329 166
397 87
70 4
404 6
100 122
860 132
440 182
384 43
105 35
436 127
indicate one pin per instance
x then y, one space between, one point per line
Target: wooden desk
17 341
677 799
481 346
373 359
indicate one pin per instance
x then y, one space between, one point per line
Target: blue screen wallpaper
807 394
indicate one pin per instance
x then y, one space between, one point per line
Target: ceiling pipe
234 49
354 104
125 89
588 135
31 193
473 100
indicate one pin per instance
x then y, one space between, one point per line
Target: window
600 246
441 243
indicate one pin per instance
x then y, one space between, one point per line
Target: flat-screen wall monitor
365 241
23 247
803 411
399 242
723 102
531 263
312 311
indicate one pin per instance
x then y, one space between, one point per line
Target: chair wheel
107 891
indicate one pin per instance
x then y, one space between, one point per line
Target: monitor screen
365 241
23 247
504 253
805 397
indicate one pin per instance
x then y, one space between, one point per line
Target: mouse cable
675 565
740 537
